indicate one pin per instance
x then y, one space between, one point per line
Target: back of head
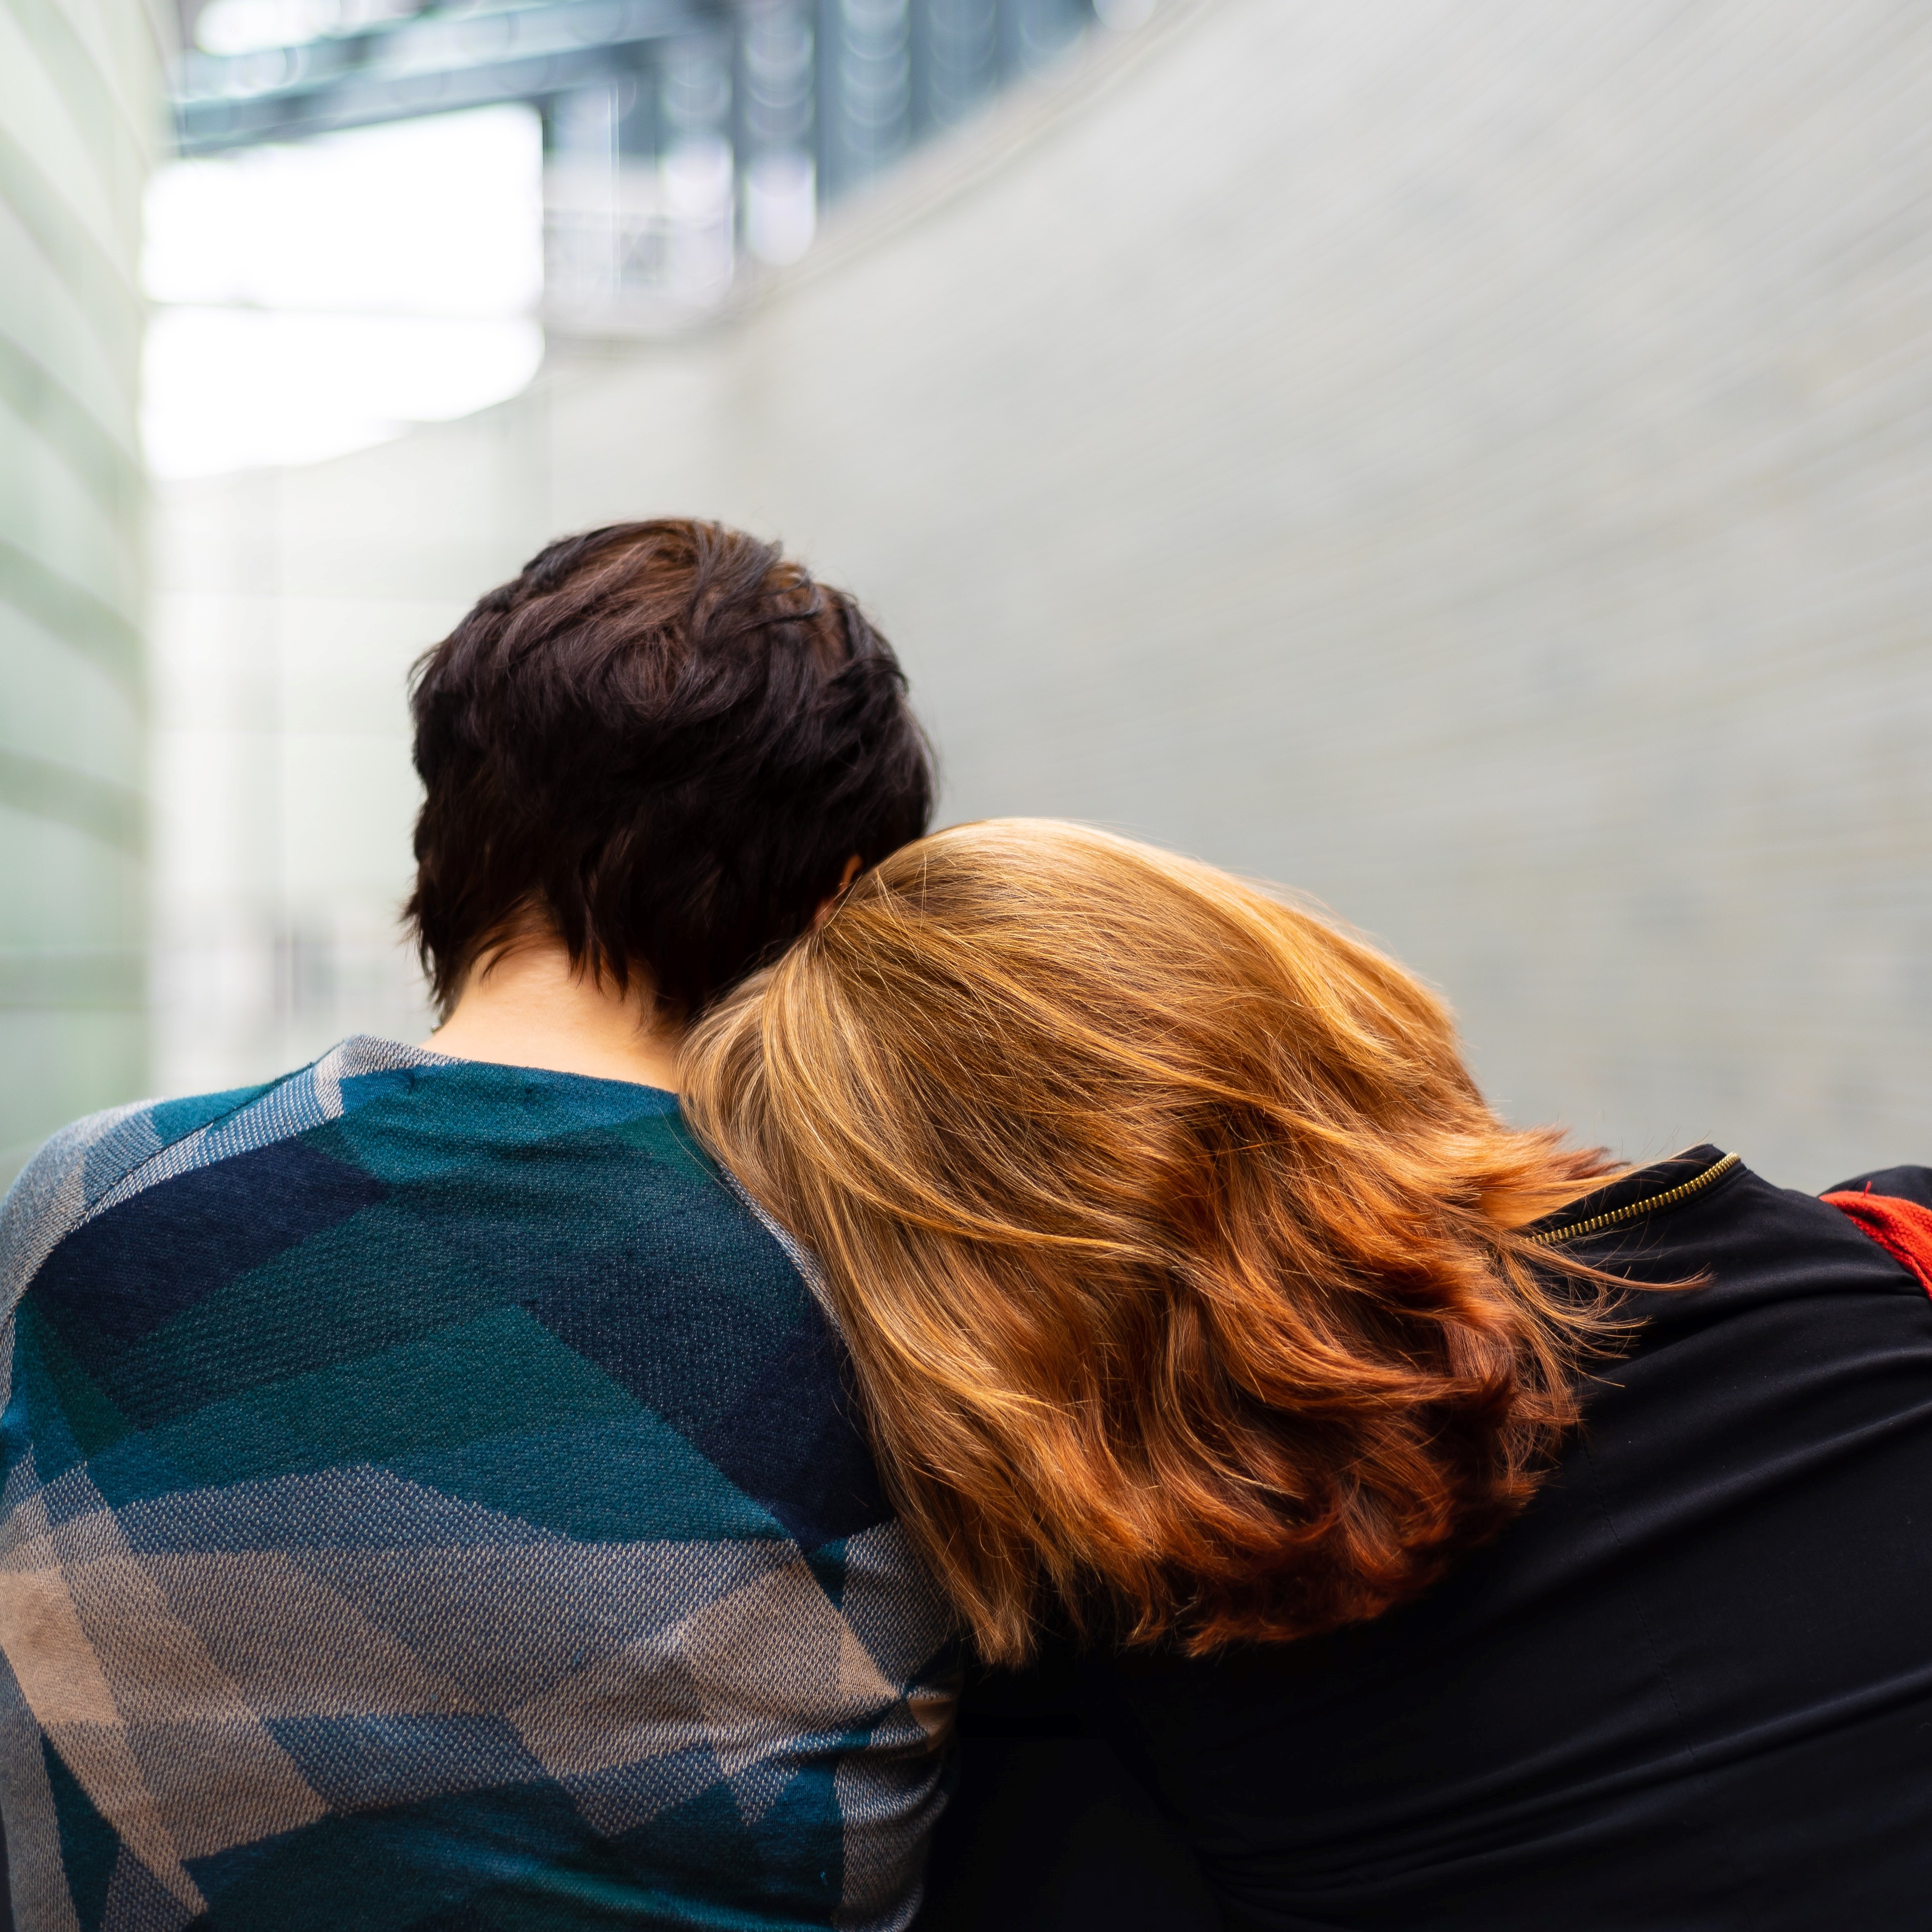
1177 1250
663 741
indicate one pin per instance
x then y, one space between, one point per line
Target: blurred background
1471 462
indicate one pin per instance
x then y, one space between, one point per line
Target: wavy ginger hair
1178 1254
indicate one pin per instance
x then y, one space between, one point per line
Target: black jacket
1690 1689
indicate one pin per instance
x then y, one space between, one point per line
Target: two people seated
563 1474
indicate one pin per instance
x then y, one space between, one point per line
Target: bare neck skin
530 1007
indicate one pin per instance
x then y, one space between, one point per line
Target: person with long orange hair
1455 1528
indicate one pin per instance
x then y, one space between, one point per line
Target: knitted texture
431 1501
1903 1229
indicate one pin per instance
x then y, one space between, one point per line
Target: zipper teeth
1715 1172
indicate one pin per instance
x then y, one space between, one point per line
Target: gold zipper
1715 1172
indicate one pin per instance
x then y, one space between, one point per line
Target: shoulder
85 1163
1741 1247
97 1163
1903 1183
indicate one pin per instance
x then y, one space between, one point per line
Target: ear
845 879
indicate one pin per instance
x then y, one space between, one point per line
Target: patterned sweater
430 1501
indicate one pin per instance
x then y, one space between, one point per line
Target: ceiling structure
681 135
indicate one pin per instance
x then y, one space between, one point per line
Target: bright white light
438 217
321 297
233 388
249 26
780 205
697 180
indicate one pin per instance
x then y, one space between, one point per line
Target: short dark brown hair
663 740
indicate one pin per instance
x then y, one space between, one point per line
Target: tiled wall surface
1469 461
80 117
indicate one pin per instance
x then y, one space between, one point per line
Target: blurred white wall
80 119
1467 460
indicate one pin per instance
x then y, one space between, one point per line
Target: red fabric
1902 1228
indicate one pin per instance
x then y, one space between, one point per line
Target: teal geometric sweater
431 1501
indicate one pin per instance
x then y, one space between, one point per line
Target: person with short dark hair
664 744
429 1496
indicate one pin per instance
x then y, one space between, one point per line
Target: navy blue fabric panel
356 1761
121 1276
792 1442
681 1313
